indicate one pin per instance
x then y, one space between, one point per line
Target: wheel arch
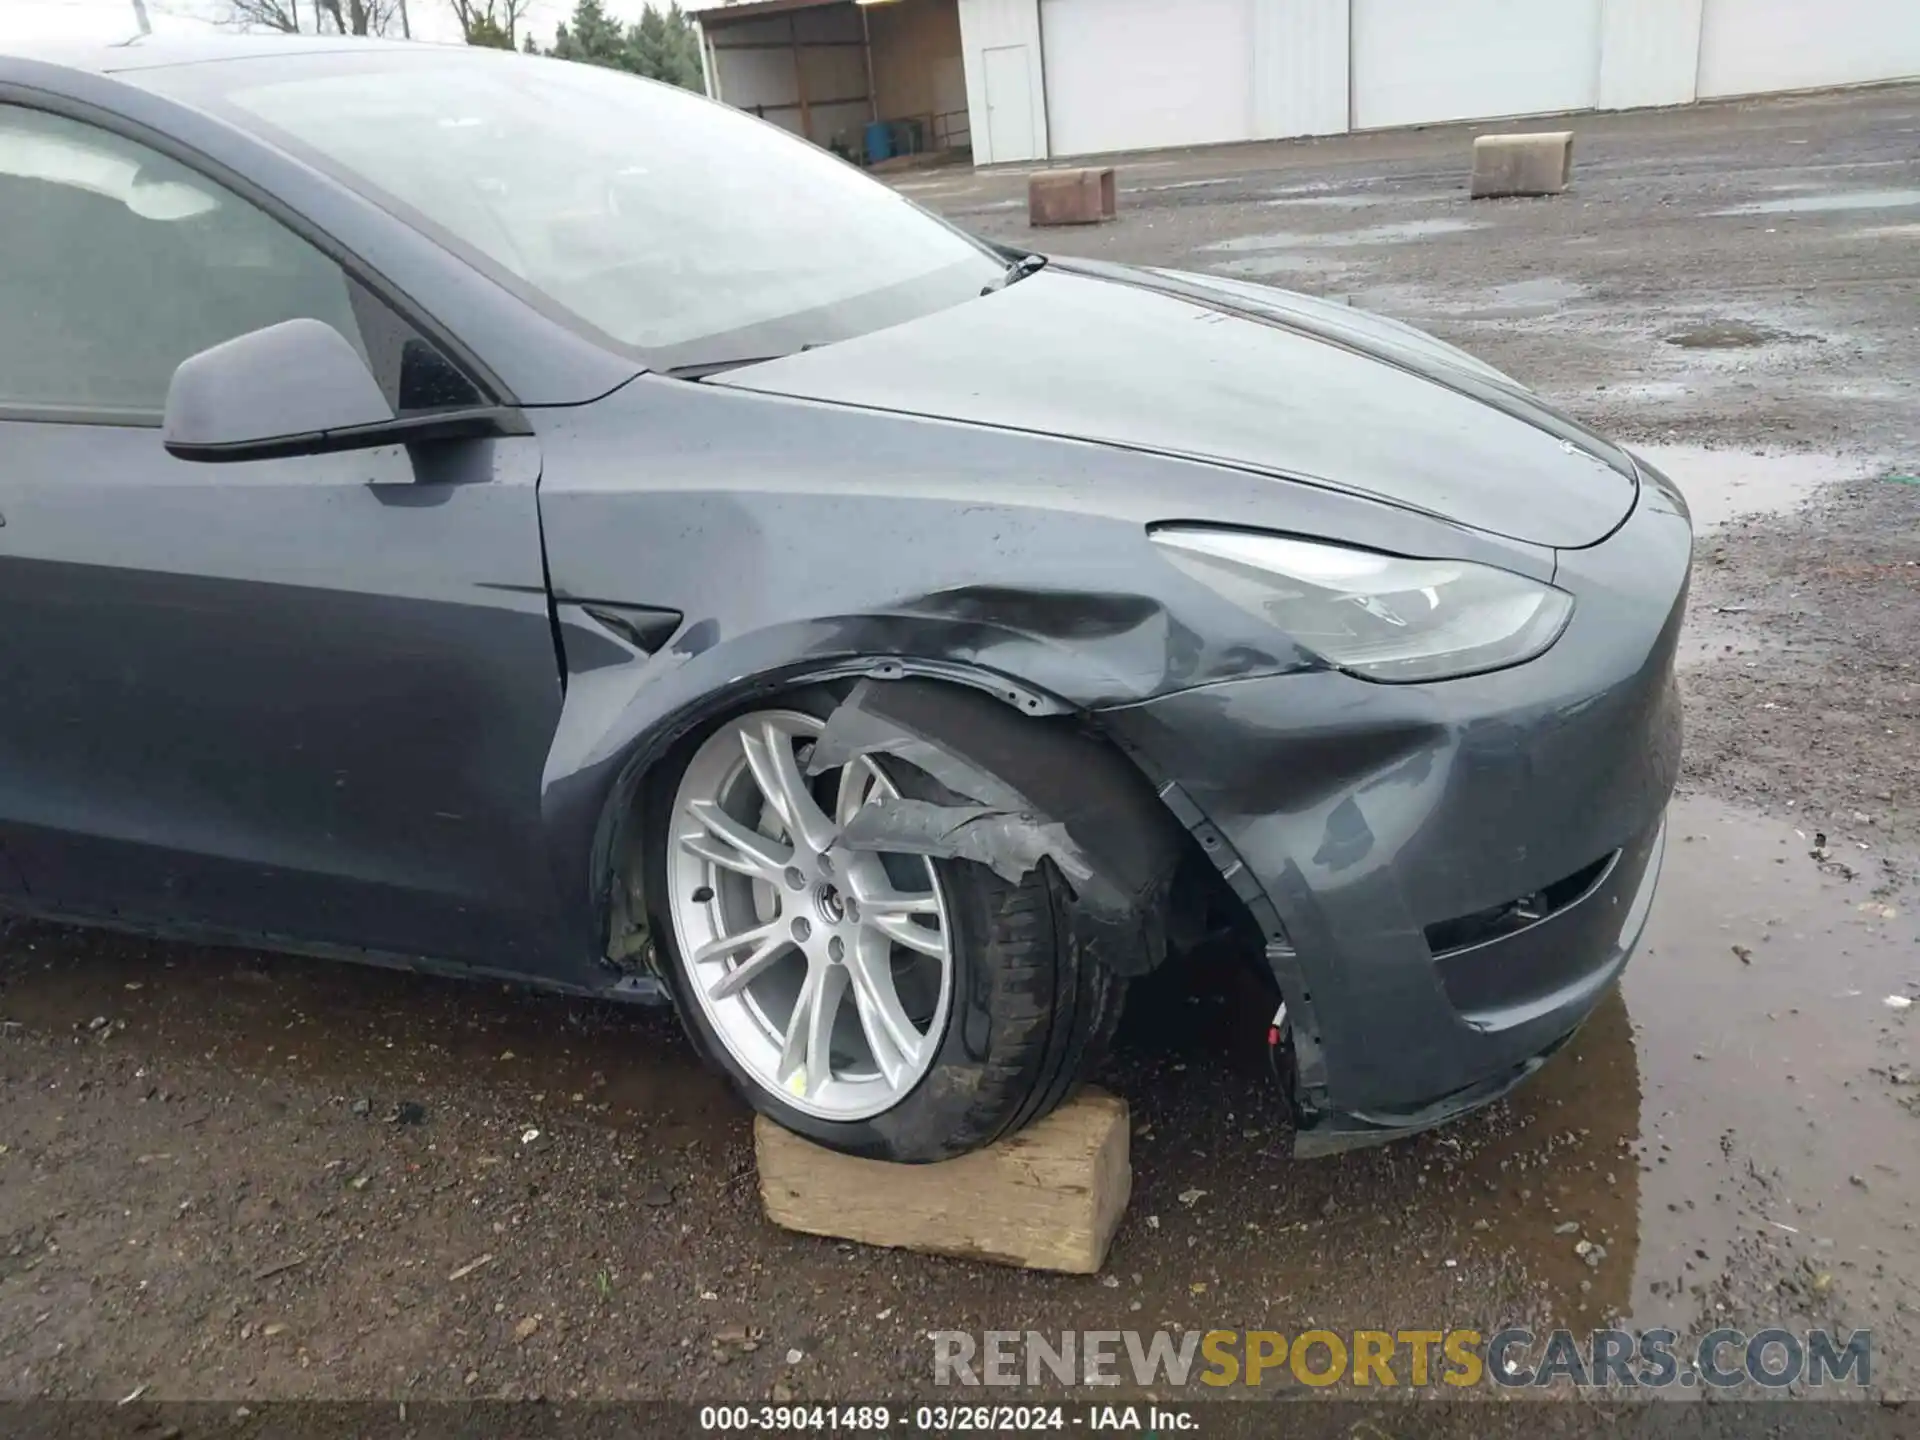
628 713
620 913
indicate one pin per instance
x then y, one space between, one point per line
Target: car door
305 698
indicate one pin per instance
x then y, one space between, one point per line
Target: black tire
1030 1017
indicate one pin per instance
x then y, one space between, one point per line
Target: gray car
491 515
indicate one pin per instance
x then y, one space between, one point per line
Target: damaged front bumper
1589 942
1447 876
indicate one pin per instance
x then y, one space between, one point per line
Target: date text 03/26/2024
945 1419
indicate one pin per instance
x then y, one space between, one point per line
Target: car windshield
674 227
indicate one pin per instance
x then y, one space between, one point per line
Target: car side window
118 262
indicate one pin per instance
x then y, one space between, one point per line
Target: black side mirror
298 388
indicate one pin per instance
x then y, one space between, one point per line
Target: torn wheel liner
1025 790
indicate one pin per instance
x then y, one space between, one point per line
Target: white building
1021 80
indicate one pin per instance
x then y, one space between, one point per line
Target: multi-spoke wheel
825 971
884 1004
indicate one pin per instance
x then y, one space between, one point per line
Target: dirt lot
239 1176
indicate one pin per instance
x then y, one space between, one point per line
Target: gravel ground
233 1176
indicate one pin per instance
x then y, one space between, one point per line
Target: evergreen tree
593 37
487 31
660 45
665 47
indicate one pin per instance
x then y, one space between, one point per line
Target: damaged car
496 516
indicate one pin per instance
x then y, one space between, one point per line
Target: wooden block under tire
1048 1198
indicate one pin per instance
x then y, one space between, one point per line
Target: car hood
1239 375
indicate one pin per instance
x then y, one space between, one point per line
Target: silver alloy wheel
827 973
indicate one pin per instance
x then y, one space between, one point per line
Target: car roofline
152 52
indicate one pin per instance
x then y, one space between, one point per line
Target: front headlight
1380 616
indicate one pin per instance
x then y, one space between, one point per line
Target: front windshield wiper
701 369
1018 270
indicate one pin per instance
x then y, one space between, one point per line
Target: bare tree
491 22
316 17
360 17
266 15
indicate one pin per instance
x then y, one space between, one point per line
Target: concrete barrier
1537 164
1071 197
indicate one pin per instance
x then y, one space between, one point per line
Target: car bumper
1448 876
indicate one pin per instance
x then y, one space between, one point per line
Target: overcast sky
113 19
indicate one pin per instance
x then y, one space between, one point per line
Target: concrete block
1537 164
1048 1198
1071 197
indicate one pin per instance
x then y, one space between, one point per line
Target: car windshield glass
668 224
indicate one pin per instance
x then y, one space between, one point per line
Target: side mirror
298 388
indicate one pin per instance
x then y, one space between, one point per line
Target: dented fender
826 541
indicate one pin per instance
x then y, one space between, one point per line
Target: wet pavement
1723 484
1774 1133
225 1174
236 1176
1786 225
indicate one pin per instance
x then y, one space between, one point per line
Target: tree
592 37
661 45
491 22
316 17
665 47
486 31
359 17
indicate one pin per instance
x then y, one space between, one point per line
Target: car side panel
301 699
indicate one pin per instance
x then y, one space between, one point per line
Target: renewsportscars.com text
1442 1359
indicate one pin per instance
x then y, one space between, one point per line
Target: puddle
1521 300
1708 1101
1828 203
1307 187
1659 392
1728 335
1773 1124
1721 484
1182 185
1402 231
1247 244
1397 233
1356 202
1257 267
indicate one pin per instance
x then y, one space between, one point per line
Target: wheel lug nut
795 879
801 928
837 948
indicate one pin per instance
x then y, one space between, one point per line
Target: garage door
1747 46
1133 74
1416 61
